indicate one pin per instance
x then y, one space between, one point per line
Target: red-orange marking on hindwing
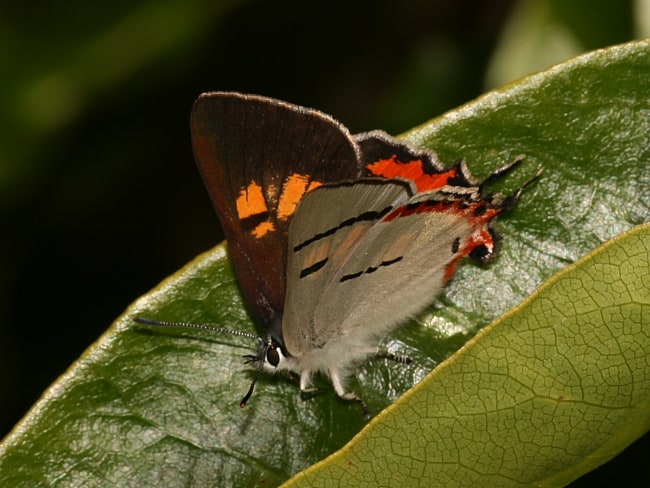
412 170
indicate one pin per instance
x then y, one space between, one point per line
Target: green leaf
556 387
145 406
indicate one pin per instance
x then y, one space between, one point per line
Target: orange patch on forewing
294 188
312 185
262 229
251 201
412 170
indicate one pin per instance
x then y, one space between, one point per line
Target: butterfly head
271 356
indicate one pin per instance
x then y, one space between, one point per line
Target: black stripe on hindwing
313 268
371 269
364 217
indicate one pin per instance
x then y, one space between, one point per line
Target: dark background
99 195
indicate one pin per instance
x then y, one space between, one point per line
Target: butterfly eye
480 253
273 356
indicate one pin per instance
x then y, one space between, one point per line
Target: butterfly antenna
500 172
512 200
258 373
188 325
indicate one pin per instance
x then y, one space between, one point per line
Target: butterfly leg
306 389
340 391
398 358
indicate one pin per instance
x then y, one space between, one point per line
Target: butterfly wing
329 226
384 156
367 281
401 266
258 157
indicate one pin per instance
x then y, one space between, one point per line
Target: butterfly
336 239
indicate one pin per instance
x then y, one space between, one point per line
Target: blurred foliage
99 198
541 33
